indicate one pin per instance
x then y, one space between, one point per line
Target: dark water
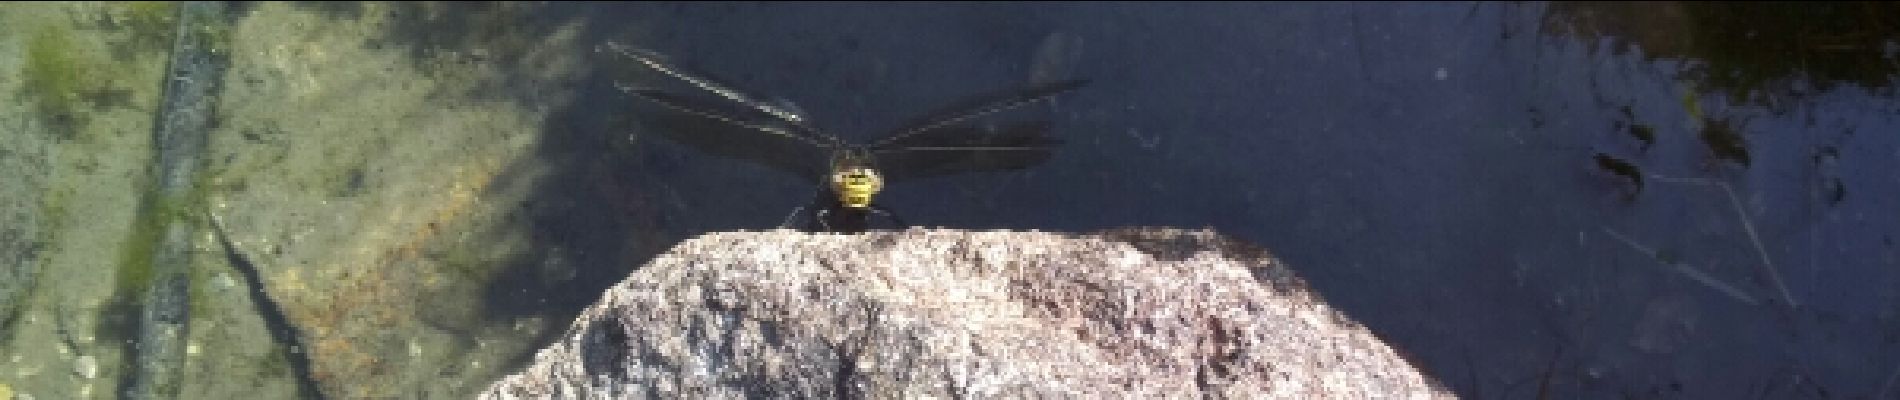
1453 175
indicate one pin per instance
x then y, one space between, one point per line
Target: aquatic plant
1748 227
150 25
54 79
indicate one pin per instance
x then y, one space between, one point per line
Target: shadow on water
592 219
1443 173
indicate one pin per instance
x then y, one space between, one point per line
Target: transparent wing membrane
730 115
964 148
659 62
980 106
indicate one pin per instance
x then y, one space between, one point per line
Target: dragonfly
850 175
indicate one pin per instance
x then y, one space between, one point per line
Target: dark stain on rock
604 348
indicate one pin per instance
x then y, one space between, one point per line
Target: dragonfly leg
893 216
821 218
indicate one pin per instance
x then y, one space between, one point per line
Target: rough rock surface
942 313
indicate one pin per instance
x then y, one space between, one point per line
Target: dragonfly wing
731 115
705 82
969 109
967 148
708 128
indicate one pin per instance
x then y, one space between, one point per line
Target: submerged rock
942 313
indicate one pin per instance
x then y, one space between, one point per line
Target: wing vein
657 62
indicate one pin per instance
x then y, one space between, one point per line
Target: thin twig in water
1685 270
1747 226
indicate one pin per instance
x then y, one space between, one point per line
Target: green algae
65 77
55 79
136 266
150 23
136 256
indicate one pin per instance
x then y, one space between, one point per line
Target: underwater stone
945 313
86 367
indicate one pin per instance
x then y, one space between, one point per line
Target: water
1453 175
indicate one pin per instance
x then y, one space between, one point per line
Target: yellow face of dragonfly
854 180
856 185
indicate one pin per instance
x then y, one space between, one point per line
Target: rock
86 367
374 228
945 313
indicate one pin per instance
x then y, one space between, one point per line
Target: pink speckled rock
943 313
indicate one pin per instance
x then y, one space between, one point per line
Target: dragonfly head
854 179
